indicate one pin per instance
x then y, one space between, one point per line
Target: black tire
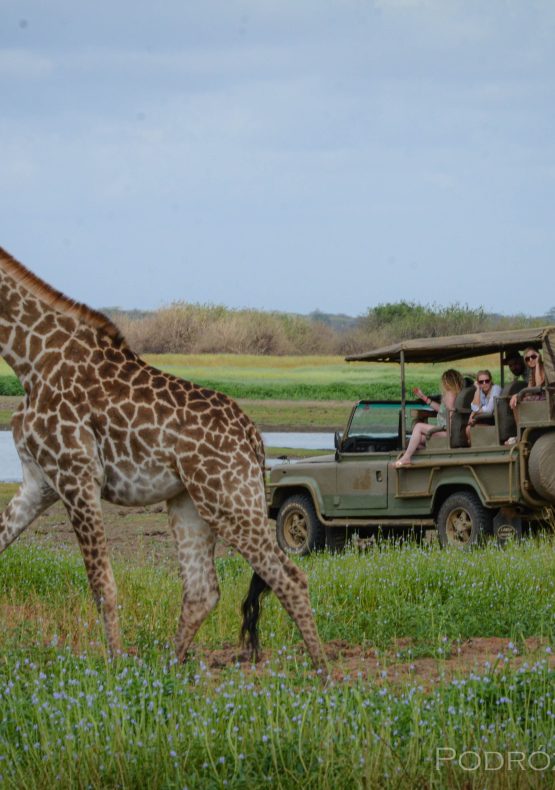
336 539
297 527
462 521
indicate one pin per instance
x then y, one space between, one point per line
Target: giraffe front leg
195 544
85 514
32 498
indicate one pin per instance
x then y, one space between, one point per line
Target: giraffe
97 422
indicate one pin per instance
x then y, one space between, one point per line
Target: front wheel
463 521
297 527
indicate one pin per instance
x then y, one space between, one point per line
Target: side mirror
337 439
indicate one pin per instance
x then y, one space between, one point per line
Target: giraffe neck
28 330
37 323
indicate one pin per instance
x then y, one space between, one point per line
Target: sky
291 155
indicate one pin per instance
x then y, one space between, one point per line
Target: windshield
382 418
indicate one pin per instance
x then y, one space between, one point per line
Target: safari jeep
465 491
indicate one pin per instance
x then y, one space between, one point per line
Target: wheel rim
459 527
295 530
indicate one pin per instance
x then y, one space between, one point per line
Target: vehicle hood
316 459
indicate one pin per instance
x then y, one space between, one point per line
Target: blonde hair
452 380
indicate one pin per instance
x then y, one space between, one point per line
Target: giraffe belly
142 487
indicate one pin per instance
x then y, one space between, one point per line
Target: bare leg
32 498
195 543
419 434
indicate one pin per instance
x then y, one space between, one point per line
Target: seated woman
451 385
536 379
484 399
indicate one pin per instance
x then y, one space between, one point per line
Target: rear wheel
297 527
463 521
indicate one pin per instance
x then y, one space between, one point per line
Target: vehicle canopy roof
451 347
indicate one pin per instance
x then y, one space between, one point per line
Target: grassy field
292 378
436 659
279 393
429 651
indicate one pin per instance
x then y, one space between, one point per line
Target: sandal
399 464
511 441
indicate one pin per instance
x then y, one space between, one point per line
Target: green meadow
295 393
71 717
441 664
291 378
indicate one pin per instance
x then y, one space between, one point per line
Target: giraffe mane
56 300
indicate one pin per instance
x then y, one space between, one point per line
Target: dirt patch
351 662
140 535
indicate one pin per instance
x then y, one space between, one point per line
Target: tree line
185 328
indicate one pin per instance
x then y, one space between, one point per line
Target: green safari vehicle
466 492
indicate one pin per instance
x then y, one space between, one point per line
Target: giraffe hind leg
258 545
195 543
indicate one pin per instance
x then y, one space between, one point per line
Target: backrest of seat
504 417
513 387
465 398
459 418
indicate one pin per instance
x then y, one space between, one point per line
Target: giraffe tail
251 612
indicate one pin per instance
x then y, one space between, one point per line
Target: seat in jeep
504 417
459 418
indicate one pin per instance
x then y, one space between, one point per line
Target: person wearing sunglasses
484 398
536 380
536 377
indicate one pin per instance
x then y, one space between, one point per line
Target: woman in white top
484 397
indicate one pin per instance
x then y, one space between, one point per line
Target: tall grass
71 718
73 721
424 594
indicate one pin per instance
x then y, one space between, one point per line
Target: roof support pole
502 375
403 398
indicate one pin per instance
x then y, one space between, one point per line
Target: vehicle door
363 455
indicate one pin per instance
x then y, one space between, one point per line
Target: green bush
10 385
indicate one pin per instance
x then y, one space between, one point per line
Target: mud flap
507 526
